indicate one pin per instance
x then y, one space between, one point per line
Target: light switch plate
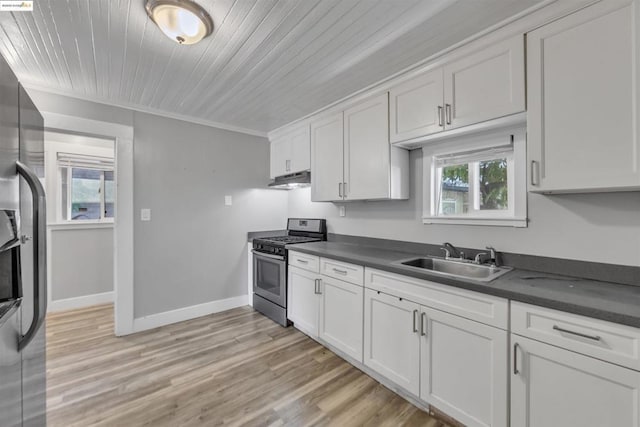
145 214
343 211
228 201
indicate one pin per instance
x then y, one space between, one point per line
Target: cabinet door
416 107
327 159
551 386
583 108
280 150
300 149
486 85
303 301
391 340
366 150
341 317
463 368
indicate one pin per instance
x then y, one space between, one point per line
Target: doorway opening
80 185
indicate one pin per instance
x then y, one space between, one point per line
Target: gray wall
589 227
193 250
81 262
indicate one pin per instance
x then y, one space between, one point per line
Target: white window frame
515 215
82 161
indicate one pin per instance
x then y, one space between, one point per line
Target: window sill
499 222
84 225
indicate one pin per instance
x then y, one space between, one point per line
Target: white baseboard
187 313
80 302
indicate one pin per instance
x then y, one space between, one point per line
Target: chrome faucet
493 258
478 257
451 251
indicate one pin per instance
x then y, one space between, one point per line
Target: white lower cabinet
463 368
341 316
457 365
302 297
551 386
391 339
325 308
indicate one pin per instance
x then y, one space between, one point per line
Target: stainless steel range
270 265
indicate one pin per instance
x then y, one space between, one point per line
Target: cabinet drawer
482 308
342 270
304 261
597 338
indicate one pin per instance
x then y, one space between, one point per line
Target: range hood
291 181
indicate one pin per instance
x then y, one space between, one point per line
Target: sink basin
462 270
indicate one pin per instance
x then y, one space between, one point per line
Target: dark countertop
269 233
601 300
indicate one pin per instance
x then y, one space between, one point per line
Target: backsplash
603 228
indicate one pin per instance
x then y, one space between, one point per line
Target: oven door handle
278 257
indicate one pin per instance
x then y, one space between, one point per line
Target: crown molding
147 110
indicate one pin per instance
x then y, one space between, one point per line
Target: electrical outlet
228 201
343 211
145 214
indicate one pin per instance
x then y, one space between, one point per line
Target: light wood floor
230 368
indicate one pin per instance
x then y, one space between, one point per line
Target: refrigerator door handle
39 253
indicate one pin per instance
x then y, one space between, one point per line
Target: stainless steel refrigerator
23 289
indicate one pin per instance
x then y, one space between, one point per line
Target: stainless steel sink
454 268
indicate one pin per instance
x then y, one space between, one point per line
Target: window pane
493 185
85 194
109 194
454 192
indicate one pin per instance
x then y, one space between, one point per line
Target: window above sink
476 180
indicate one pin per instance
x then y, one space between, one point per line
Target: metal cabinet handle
447 109
302 261
344 189
340 271
580 334
423 324
340 189
288 165
515 359
415 327
316 286
319 286
440 119
535 172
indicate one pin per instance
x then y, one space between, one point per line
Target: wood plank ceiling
268 62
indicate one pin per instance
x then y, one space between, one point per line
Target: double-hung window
87 187
476 181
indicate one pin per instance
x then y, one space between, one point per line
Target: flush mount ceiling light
183 21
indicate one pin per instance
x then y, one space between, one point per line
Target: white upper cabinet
290 151
416 107
327 158
583 101
351 158
485 85
279 160
481 86
367 162
300 149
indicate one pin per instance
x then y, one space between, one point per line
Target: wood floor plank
235 368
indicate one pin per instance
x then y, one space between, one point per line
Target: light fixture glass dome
183 21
